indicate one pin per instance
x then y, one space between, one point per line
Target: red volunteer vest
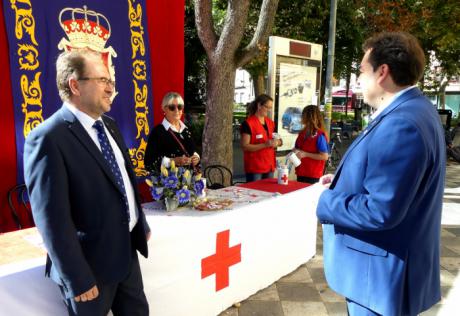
263 160
311 168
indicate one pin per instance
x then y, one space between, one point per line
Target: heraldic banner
141 42
116 28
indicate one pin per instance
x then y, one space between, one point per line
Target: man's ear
74 86
383 73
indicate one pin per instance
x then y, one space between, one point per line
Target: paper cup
292 157
276 136
283 174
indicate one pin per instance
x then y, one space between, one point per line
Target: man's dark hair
401 52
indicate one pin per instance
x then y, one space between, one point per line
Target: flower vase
171 204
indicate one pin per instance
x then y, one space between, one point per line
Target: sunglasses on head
172 107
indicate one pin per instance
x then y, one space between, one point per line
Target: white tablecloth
264 237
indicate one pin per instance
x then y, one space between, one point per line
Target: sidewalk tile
304 308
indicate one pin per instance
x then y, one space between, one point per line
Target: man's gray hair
71 64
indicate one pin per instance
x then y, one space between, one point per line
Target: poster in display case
294 82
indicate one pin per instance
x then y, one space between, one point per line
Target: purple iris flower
157 193
183 196
198 186
171 182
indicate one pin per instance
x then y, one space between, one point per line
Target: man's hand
326 180
88 295
149 234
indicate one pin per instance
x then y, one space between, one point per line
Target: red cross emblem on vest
220 262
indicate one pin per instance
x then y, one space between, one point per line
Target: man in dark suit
84 197
382 212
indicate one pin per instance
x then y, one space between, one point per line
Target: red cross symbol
284 178
220 262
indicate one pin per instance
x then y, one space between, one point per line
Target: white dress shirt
168 125
88 122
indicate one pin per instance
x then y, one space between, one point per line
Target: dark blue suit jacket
382 213
77 206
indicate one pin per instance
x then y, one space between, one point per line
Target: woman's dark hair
312 119
401 52
260 100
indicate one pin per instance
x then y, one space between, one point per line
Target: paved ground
305 292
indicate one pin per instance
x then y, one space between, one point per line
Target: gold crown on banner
84 28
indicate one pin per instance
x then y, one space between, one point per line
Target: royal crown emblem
87 29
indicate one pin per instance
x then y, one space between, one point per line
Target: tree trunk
442 94
217 135
258 79
224 57
259 84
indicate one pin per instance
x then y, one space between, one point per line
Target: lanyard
196 169
178 142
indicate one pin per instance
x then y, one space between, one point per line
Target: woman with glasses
257 140
171 139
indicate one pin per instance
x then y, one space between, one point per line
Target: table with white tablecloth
200 262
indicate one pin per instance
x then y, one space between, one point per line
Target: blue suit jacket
77 206
382 214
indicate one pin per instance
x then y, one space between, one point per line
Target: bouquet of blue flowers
175 183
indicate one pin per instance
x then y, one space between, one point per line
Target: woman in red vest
311 146
257 140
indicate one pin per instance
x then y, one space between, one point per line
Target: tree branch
233 30
263 30
205 25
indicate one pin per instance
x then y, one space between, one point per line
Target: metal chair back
18 202
218 176
446 117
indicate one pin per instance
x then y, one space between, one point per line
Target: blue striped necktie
107 152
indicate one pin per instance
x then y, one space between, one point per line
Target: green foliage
336 116
439 30
195 62
436 23
339 116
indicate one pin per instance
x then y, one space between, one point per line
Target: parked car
292 119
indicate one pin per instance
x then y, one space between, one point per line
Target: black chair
18 201
446 117
217 177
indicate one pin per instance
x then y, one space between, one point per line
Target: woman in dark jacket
171 139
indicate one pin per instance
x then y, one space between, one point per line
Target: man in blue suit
381 213
83 195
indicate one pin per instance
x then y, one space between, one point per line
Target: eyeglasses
100 80
173 107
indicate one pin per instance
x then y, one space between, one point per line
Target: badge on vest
259 136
